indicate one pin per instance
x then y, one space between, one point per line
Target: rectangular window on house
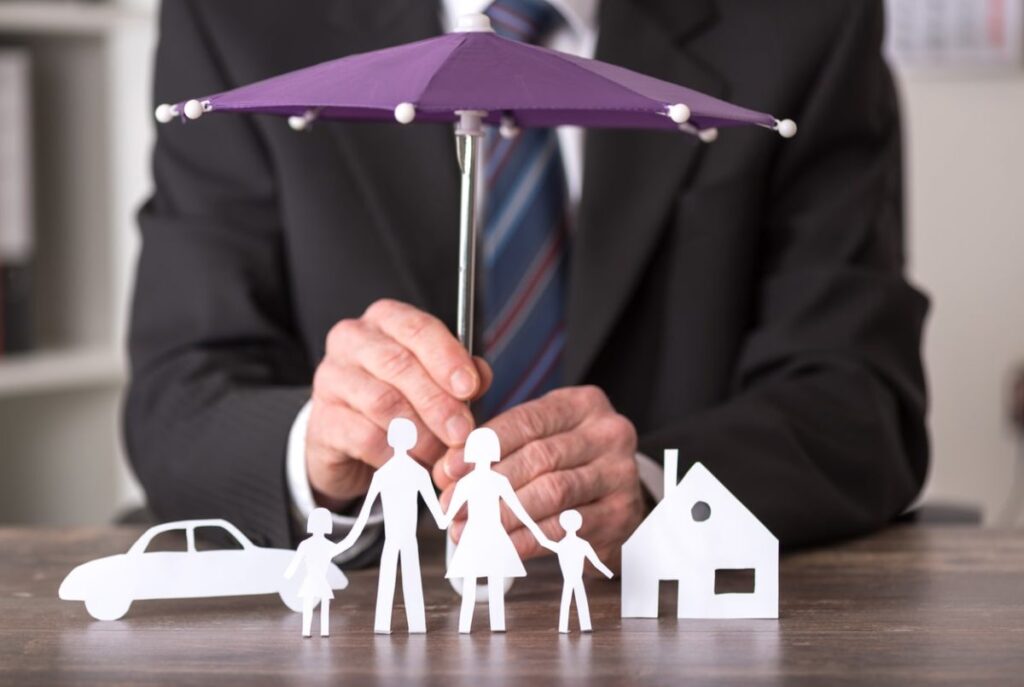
734 581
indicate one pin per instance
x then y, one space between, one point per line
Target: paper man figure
572 551
316 552
397 482
485 549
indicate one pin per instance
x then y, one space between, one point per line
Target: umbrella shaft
469 148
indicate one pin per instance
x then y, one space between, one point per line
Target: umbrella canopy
474 69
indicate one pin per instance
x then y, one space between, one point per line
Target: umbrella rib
440 67
604 78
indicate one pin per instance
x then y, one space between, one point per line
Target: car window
172 540
215 539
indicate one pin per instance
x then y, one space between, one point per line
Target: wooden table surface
912 605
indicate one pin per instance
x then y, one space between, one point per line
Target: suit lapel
407 174
631 178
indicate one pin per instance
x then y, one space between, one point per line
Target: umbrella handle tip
786 128
477 22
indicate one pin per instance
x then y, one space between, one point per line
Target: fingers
450 468
549 455
376 401
341 450
544 472
569 449
446 497
607 523
557 411
394 361
348 434
453 466
483 368
356 343
429 340
527 545
554 492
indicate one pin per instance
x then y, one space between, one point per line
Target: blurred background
75 132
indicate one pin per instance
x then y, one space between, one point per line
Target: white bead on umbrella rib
194 109
508 128
166 113
405 113
786 128
708 135
679 113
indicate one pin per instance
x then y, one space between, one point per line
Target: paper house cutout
697 531
110 585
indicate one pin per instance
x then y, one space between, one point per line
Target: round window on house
700 511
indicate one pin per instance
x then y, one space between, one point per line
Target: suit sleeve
218 373
824 435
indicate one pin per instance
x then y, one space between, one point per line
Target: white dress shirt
577 36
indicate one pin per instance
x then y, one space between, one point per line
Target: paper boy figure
397 482
316 552
572 551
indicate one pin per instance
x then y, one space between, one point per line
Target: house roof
672 526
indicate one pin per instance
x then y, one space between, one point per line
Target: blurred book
17 231
955 35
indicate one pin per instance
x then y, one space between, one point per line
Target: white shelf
59 371
59 406
67 17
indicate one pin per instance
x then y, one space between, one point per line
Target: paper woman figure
572 553
316 552
485 549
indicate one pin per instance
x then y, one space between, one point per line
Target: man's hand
568 449
394 361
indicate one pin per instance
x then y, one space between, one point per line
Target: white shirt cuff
302 494
652 476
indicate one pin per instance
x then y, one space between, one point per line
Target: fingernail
455 465
458 428
463 382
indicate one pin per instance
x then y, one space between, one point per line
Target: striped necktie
525 241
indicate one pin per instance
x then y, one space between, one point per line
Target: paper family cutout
316 553
698 530
398 482
485 549
572 552
110 585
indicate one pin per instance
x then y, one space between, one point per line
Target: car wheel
291 599
108 608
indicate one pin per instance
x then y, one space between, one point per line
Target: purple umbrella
473 77
470 78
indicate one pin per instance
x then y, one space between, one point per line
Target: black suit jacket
742 301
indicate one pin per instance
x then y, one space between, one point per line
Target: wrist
341 506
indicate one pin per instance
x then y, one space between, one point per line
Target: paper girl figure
485 549
316 552
572 552
398 483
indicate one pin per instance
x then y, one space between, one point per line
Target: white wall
966 211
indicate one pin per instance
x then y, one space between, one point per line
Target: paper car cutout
110 585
